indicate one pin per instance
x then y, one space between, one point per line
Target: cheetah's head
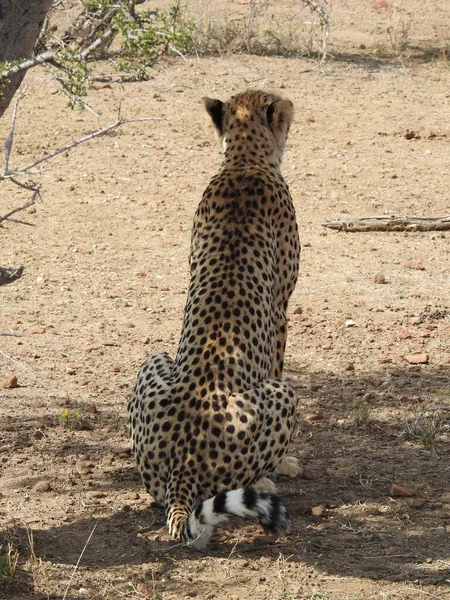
261 118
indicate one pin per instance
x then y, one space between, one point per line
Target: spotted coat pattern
219 417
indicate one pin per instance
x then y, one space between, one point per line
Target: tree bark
20 24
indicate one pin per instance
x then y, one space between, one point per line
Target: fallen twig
13 333
391 223
26 205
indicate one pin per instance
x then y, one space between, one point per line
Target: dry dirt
104 285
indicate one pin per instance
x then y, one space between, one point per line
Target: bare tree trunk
20 24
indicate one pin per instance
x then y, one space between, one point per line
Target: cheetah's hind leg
289 466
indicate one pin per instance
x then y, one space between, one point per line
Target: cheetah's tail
248 502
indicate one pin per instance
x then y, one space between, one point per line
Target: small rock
265 560
349 323
129 255
243 563
416 502
129 324
379 278
414 369
264 539
145 591
370 510
319 510
380 5
95 494
42 486
9 382
36 330
350 367
403 335
71 370
398 491
414 264
318 416
116 368
417 359
306 473
91 409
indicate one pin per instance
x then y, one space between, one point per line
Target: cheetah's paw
266 485
289 466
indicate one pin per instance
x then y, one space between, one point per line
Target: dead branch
26 205
391 223
73 144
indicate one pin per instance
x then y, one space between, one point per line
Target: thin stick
78 561
21 365
10 138
85 138
13 333
26 205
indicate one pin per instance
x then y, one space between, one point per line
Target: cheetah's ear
279 116
215 111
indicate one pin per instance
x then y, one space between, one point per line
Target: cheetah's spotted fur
218 418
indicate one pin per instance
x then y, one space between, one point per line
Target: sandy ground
104 285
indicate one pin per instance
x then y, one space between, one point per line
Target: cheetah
208 426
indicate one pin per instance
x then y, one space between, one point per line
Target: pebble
318 416
36 330
379 278
116 368
319 510
95 494
129 324
370 510
9 382
380 5
145 591
91 409
42 486
414 264
403 335
400 491
307 473
417 359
